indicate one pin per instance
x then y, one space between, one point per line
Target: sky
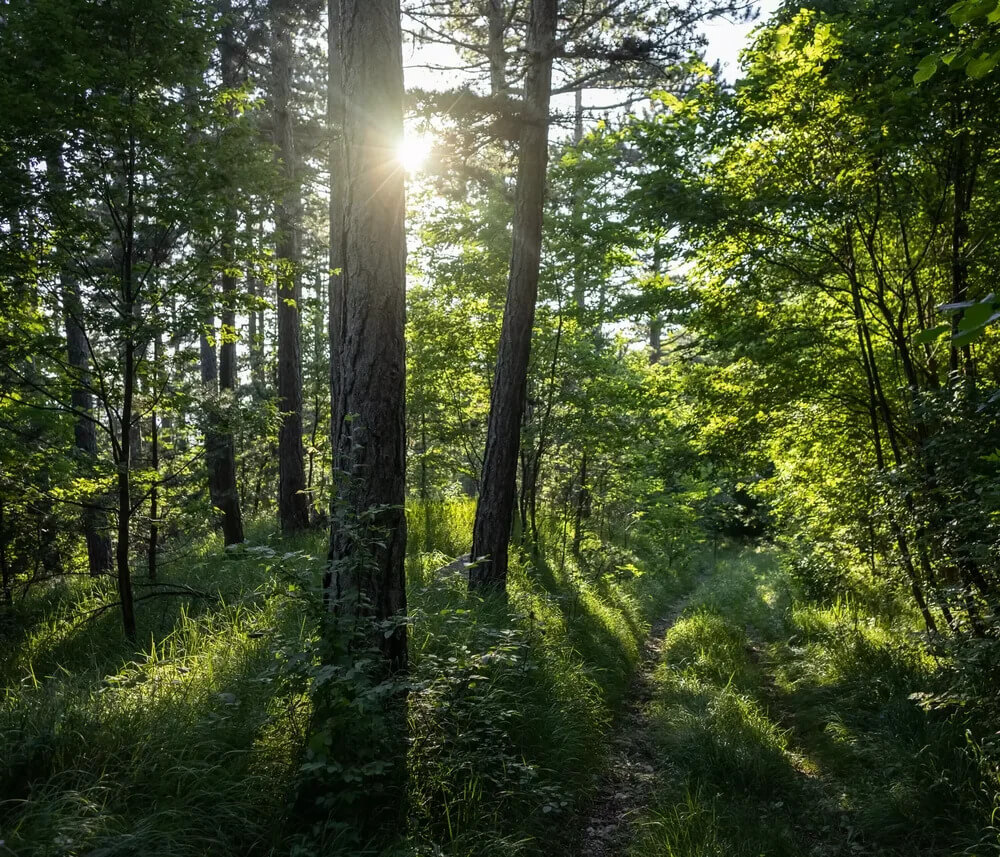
726 39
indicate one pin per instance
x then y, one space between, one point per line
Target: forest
501 427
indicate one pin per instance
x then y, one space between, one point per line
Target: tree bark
154 463
335 309
367 555
84 429
219 454
225 453
496 27
491 531
293 507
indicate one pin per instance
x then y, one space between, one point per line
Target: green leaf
968 10
931 334
976 315
926 70
982 65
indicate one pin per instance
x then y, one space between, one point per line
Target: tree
491 531
293 505
367 573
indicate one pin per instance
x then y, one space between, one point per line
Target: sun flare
414 151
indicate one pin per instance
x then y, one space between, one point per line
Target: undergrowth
790 727
199 741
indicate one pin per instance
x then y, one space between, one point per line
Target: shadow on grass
771 747
76 627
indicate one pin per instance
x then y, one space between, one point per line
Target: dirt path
629 779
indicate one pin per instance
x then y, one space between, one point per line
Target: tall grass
193 743
786 727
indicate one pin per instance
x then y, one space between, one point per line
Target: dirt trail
628 781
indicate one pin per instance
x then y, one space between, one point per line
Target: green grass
191 743
785 728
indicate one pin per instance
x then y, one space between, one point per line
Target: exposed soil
628 781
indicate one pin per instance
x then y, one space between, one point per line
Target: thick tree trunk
293 507
491 531
367 556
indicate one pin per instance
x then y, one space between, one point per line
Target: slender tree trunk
125 492
491 531
209 366
581 503
225 453
6 578
154 463
255 335
962 189
129 304
367 569
656 319
876 400
220 456
293 506
84 429
425 499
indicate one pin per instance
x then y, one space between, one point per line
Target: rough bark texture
368 543
491 532
293 506
496 18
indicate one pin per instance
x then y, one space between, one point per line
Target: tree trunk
84 429
6 578
491 531
293 507
335 310
370 427
876 402
125 484
154 463
496 27
232 519
963 183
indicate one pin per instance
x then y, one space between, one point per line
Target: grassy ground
785 728
193 742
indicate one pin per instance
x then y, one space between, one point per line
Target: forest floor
762 723
626 786
755 722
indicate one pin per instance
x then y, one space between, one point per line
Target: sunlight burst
414 151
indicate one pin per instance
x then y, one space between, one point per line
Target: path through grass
783 728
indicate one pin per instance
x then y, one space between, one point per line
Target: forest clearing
510 427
